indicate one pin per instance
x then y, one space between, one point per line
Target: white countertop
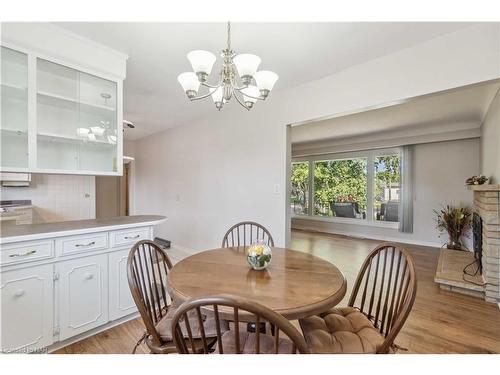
18 233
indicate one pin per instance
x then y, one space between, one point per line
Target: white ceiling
464 107
298 52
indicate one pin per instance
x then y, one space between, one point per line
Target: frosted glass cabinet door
14 109
76 120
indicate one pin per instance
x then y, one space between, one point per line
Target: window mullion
369 187
311 188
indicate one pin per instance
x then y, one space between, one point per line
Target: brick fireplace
451 264
487 205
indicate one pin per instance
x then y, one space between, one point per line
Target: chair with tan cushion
147 267
381 300
286 340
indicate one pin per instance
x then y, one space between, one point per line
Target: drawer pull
132 237
88 276
31 252
19 293
85 244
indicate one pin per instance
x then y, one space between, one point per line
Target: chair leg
272 329
141 340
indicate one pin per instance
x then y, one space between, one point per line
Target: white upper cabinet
14 109
77 124
60 115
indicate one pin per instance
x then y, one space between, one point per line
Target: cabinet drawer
26 252
129 236
80 244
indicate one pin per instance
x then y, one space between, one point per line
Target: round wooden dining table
295 284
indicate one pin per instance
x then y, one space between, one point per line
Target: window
387 176
299 198
358 186
340 188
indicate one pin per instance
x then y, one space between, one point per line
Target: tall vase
454 242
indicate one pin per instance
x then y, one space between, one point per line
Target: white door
83 294
27 308
121 302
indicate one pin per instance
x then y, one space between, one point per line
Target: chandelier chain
229 36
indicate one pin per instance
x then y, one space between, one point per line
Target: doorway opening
112 193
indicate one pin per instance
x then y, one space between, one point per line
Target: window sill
344 220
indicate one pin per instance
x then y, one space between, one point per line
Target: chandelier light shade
250 95
217 97
247 65
190 83
238 77
265 81
201 61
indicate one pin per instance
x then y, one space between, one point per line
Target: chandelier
238 77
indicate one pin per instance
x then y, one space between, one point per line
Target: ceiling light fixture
238 77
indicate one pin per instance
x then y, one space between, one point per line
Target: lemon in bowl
259 255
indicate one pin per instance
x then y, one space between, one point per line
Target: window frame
370 155
293 214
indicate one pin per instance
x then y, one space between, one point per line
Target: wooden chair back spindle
147 269
228 305
244 233
385 290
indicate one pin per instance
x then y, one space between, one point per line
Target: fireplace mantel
484 187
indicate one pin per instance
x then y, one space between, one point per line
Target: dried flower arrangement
455 221
476 180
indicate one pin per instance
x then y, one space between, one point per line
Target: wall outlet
276 188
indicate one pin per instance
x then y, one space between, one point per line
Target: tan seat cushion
164 326
247 344
341 330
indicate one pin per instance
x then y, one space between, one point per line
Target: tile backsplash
57 197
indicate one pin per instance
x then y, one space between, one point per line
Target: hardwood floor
440 322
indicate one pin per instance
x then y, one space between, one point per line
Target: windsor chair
148 267
244 233
379 305
235 340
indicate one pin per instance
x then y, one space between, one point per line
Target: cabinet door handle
19 293
85 244
88 276
132 237
31 252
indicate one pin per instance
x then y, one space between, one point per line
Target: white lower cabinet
83 294
121 302
58 289
26 297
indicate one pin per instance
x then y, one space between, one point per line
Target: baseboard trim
372 237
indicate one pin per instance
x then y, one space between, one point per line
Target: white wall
490 142
440 170
217 170
57 197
